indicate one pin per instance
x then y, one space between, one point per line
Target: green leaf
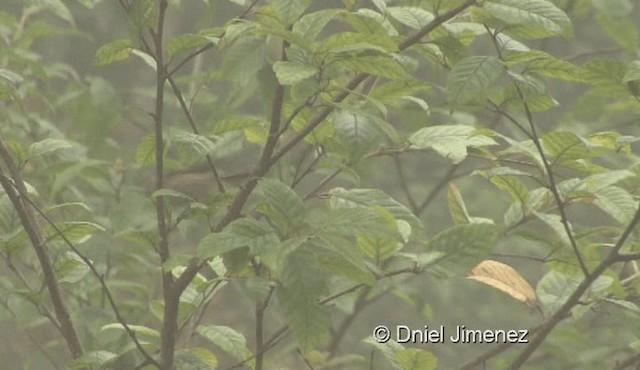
554 289
245 232
538 18
558 69
146 151
340 224
302 284
626 304
227 339
11 77
89 3
371 198
450 141
115 51
471 78
93 358
633 72
511 184
143 332
291 73
243 59
290 11
410 16
189 41
606 75
457 209
283 206
415 359
310 25
71 268
565 146
602 180
614 8
357 133
76 232
191 147
340 262
621 29
463 245
195 359
374 65
170 193
555 223
48 146
617 203
57 7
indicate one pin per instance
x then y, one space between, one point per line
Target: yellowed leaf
505 278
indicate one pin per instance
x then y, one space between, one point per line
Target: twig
574 299
633 360
15 186
480 360
194 128
436 189
277 336
210 45
404 185
553 187
234 210
96 273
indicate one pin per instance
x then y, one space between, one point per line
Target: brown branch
285 328
553 187
261 307
627 257
574 299
170 296
14 186
627 363
96 273
480 360
210 45
404 185
247 187
436 189
435 23
194 129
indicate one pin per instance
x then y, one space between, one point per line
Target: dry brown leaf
506 279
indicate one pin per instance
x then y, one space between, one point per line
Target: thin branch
32 339
436 189
278 335
361 302
14 186
96 273
170 296
404 185
194 128
553 187
574 299
435 23
627 363
259 314
210 45
322 183
627 257
234 210
480 360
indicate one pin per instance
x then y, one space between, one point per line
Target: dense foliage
259 184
